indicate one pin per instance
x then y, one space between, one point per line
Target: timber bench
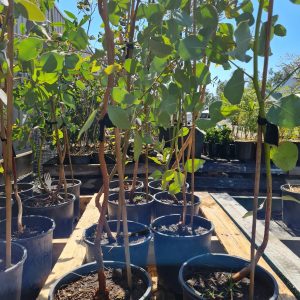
228 238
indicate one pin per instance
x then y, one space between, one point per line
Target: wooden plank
288 264
73 254
233 240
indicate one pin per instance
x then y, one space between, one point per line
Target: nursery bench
228 234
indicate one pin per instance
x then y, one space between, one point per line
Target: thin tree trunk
8 151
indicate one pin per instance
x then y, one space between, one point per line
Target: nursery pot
163 209
172 250
114 185
39 247
92 268
11 278
245 150
291 208
141 213
155 186
138 249
3 207
75 190
25 191
226 263
62 214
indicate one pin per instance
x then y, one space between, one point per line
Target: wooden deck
229 236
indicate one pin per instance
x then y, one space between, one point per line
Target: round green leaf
119 117
285 156
285 112
234 89
29 48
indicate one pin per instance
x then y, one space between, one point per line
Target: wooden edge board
73 254
288 265
233 240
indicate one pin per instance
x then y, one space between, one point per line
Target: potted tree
269 117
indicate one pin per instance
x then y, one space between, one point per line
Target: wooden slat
233 240
73 254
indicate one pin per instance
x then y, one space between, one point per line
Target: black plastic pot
222 262
172 251
155 186
109 159
290 207
11 279
245 150
138 251
213 150
38 264
79 159
114 185
62 214
164 209
92 268
75 190
141 213
3 207
25 190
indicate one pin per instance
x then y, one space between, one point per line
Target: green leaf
88 123
155 159
191 47
52 62
234 89
243 42
198 163
30 10
182 18
120 95
29 48
69 100
156 175
70 15
202 74
184 131
119 117
280 30
205 123
295 1
174 188
79 38
80 84
137 146
1 169
285 156
215 111
285 112
160 46
207 18
71 61
132 66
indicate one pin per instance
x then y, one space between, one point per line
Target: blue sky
289 16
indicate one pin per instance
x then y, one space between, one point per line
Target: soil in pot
116 283
139 207
46 201
114 186
181 230
219 285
